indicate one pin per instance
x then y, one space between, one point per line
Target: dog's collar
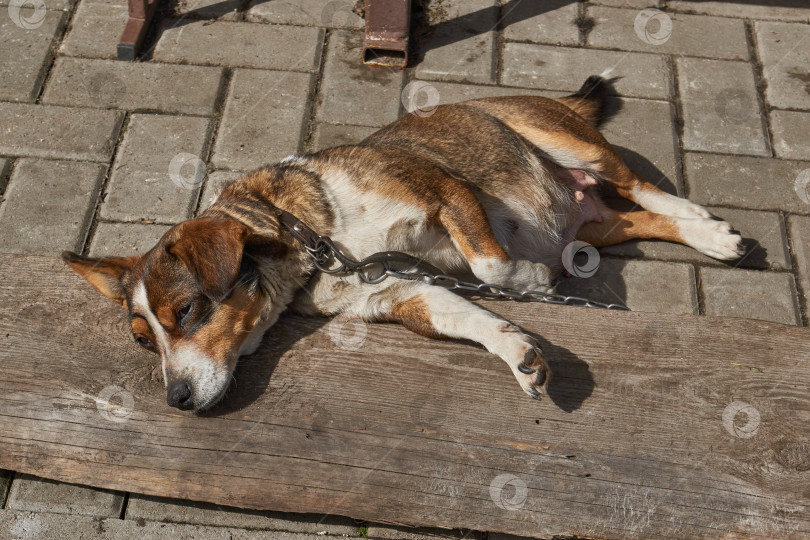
297 228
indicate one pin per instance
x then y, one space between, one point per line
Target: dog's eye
146 343
182 312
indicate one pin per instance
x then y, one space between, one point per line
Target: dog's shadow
571 378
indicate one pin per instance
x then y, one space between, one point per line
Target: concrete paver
747 182
158 170
32 494
671 33
565 69
28 53
461 47
264 118
353 94
331 14
551 21
799 227
785 62
791 133
95 29
328 135
134 86
146 508
652 286
48 206
215 180
264 46
122 239
58 132
750 294
720 107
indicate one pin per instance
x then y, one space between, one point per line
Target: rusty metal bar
140 13
388 25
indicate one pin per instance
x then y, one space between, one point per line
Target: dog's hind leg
436 312
714 238
462 215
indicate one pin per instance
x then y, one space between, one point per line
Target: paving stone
551 21
652 286
763 236
48 206
350 92
215 180
154 176
264 119
748 182
628 4
58 132
95 29
142 507
61 5
799 227
785 62
34 494
45 526
223 10
122 239
5 169
331 14
26 55
328 135
720 107
791 133
265 46
644 133
785 10
460 47
668 33
133 86
5 483
751 294
375 530
565 69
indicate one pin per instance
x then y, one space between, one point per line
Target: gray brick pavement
265 46
353 94
155 174
791 133
331 14
48 206
264 118
565 69
33 494
551 22
721 110
785 62
95 29
58 132
120 239
134 86
27 55
768 296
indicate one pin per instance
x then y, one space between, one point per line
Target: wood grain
630 443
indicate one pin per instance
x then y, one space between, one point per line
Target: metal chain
380 266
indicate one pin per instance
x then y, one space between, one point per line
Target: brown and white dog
494 186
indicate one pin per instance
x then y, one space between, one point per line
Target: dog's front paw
532 372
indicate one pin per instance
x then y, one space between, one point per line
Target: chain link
380 266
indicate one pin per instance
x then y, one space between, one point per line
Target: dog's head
193 299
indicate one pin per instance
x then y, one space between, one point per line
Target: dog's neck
253 200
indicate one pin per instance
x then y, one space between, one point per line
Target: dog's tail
591 101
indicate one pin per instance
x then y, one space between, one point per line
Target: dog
497 187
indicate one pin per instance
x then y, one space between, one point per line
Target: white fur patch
669 205
140 301
207 378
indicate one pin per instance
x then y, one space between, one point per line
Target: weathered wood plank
631 442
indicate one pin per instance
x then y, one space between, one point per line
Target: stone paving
101 156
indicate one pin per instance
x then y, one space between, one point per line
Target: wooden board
650 428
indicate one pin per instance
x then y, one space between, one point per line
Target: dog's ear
211 249
103 274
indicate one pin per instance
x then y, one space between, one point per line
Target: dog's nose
179 395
